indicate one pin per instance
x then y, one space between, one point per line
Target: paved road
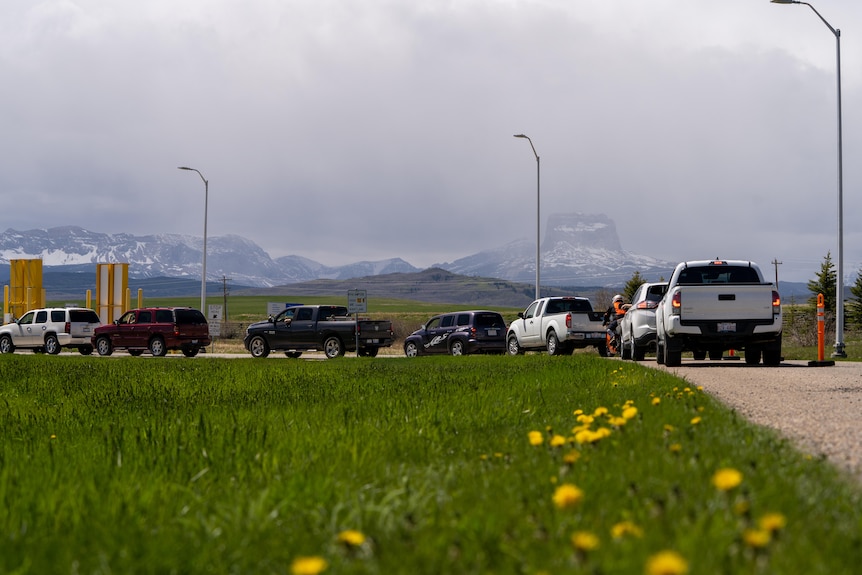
818 408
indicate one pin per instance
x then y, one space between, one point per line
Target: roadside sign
214 319
357 301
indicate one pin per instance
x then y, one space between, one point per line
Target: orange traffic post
821 334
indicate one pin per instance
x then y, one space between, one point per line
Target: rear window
561 305
83 316
719 275
190 317
486 320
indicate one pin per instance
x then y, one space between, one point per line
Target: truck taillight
569 320
647 304
68 327
776 303
473 332
676 303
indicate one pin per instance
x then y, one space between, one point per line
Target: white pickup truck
716 305
558 325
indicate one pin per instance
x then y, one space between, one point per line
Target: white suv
51 329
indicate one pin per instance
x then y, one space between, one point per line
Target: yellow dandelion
630 412
585 419
578 412
536 438
668 428
772 522
674 447
656 400
756 538
695 420
666 563
726 479
584 541
308 565
567 496
571 457
558 441
600 411
626 528
351 538
617 421
53 436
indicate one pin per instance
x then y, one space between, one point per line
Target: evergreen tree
854 306
825 283
632 286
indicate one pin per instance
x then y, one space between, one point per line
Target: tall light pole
838 351
538 207
204 266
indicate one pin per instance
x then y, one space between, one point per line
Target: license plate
726 327
194 341
492 332
86 330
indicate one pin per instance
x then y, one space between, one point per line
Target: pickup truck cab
327 328
711 306
559 325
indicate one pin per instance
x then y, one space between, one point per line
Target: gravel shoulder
817 408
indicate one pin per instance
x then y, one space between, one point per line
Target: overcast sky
348 130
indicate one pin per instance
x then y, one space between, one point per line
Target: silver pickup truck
558 325
712 306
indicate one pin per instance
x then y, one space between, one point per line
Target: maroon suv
154 329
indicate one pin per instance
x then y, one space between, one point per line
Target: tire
513 347
86 350
258 347
553 344
191 351
700 355
716 355
672 356
457 348
626 350
157 347
135 352
659 353
6 345
293 354
638 352
103 346
752 355
411 349
602 348
332 347
772 356
52 344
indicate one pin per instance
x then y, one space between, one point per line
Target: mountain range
577 250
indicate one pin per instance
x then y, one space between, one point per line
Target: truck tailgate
729 301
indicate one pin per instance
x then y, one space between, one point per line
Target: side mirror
520 315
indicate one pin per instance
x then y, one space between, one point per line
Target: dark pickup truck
327 328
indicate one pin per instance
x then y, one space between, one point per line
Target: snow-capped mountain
578 250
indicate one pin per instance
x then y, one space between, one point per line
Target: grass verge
432 465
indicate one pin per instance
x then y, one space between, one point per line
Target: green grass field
521 465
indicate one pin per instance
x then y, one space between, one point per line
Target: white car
51 329
637 327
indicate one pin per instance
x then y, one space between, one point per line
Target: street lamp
204 267
538 207
839 285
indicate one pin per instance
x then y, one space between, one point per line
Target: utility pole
776 263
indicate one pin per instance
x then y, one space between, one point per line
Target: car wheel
258 347
672 356
715 355
6 345
332 347
626 349
602 348
772 356
457 347
191 351
293 354
659 353
699 355
553 344
103 346
157 347
52 345
512 346
85 350
638 352
411 349
752 355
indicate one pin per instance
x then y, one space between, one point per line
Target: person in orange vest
613 316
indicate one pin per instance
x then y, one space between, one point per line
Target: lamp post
204 266
538 207
838 351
